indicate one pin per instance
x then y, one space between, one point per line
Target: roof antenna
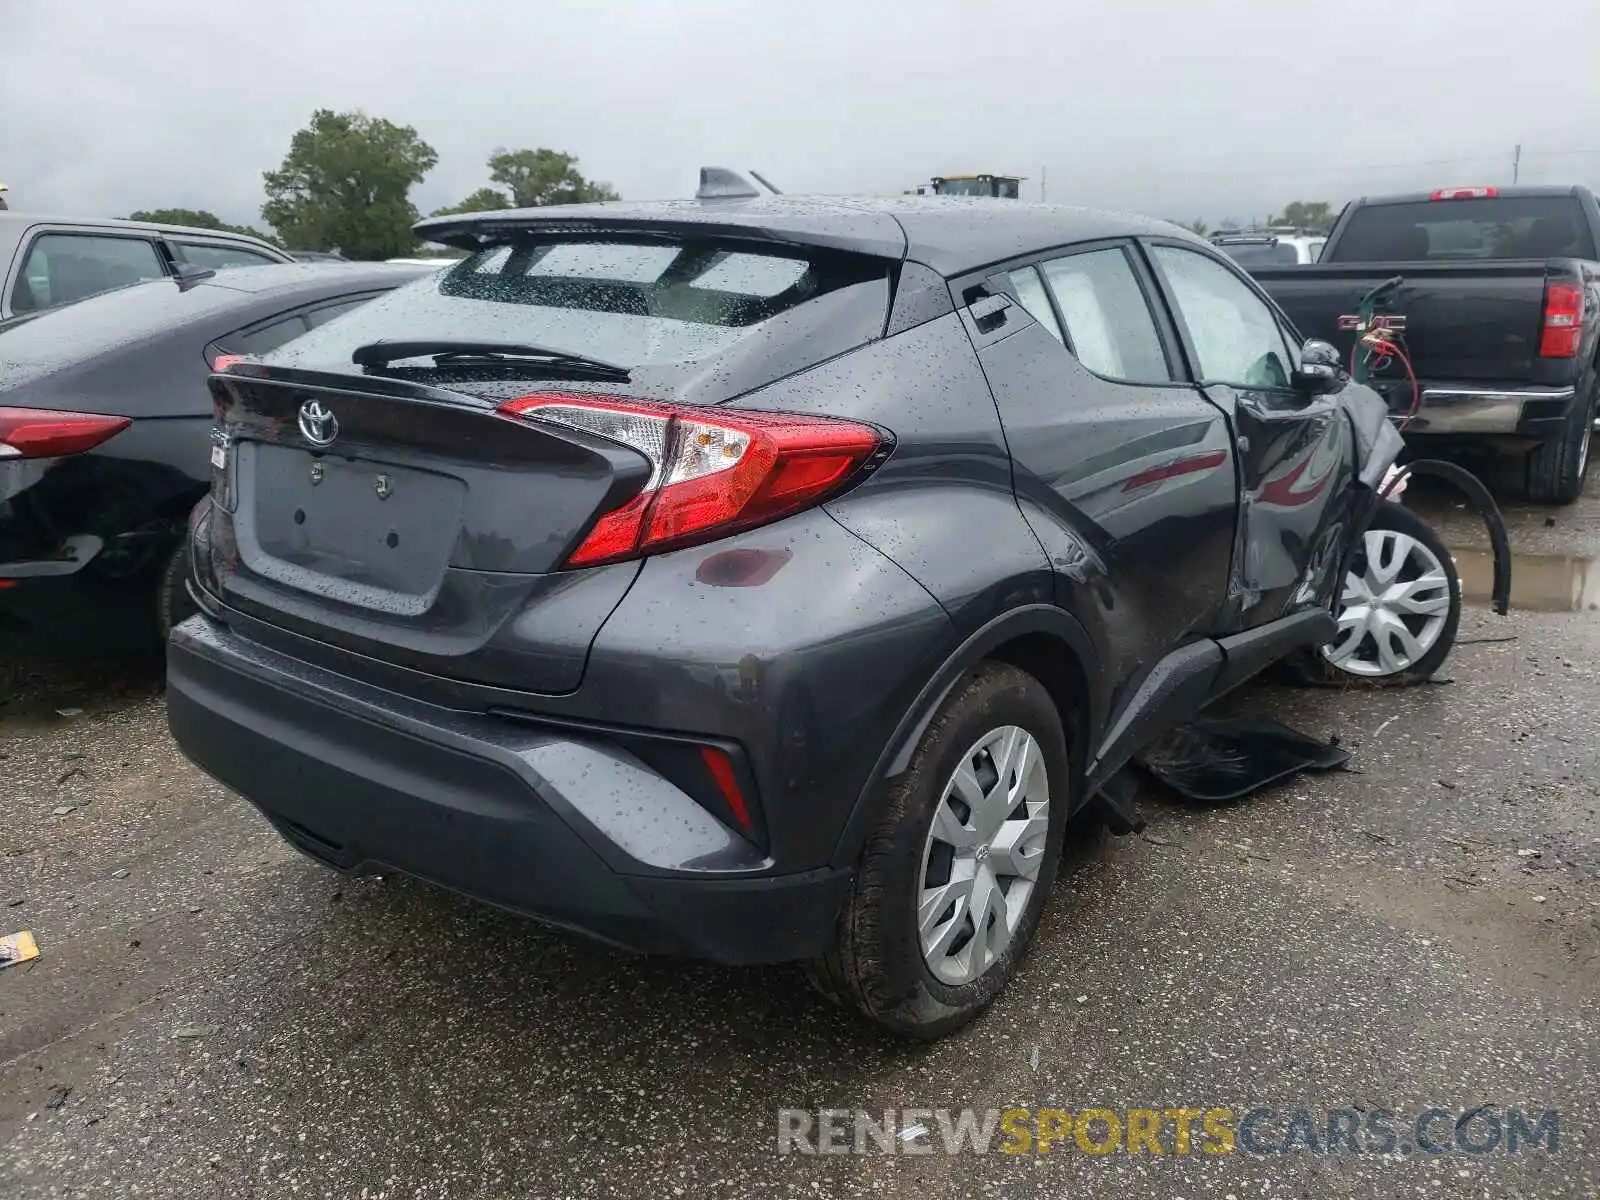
719 183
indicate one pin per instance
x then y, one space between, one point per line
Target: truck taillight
713 471
1472 193
1563 321
42 433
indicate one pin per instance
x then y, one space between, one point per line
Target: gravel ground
213 1015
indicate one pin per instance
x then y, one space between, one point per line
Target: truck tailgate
1464 320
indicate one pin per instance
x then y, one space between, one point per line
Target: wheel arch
1042 639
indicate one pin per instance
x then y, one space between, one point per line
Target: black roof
157 313
289 278
950 234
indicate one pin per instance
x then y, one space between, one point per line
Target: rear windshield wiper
447 353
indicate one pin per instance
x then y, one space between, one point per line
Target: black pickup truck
1498 311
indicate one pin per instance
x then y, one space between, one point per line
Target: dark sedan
105 425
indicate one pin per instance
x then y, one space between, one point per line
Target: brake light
1472 193
37 433
1563 321
714 471
224 361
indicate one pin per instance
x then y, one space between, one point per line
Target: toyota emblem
318 424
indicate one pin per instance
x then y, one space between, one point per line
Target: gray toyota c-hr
771 579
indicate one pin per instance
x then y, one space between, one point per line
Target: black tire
876 965
172 603
1312 667
1558 468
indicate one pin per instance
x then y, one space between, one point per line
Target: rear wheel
173 605
1399 609
951 883
1558 468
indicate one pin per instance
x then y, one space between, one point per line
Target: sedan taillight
714 471
41 433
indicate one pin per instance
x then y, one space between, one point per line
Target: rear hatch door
391 511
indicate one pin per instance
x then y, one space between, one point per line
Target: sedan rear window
1493 227
666 308
1260 254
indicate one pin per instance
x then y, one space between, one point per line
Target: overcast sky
1181 109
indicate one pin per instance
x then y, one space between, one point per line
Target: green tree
1197 225
197 218
346 184
1307 214
485 199
539 177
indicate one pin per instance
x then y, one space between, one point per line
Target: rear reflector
39 433
714 471
1563 321
721 768
224 361
1472 193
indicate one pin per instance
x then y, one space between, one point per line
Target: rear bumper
1526 412
567 829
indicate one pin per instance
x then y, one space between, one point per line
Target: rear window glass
1260 254
664 308
1488 228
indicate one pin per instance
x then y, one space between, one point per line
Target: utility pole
1516 163
1044 193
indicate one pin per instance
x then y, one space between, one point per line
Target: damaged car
767 579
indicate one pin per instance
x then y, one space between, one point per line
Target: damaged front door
1295 449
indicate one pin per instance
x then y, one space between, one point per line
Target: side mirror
1321 369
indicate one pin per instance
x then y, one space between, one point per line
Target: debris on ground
69 712
18 948
195 1031
1213 761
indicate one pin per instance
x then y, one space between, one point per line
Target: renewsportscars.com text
1258 1131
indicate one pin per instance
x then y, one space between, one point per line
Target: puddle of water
1539 582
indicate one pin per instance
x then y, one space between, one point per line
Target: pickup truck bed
1504 342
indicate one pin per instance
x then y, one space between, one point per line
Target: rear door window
1491 227
63 267
1107 316
1030 290
667 308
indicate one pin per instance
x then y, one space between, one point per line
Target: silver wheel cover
1393 610
981 859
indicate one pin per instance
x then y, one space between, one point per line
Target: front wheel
1399 609
950 886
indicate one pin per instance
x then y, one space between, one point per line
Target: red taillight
1473 193
38 433
1563 321
713 470
224 361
